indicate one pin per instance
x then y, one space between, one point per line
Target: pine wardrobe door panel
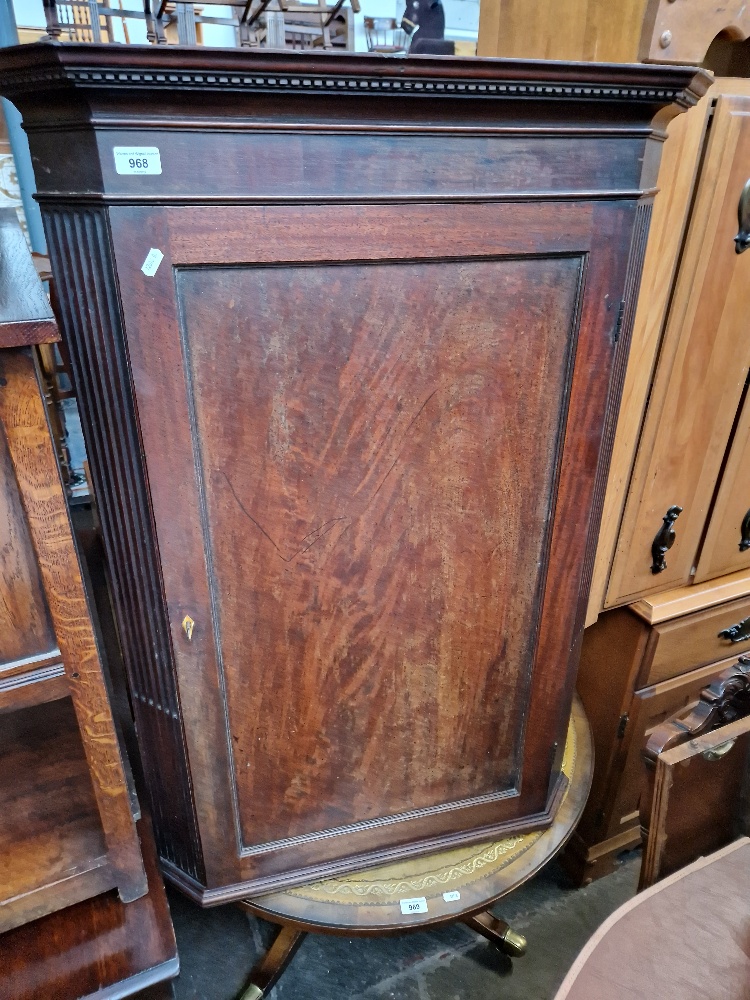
678 173
371 435
726 547
700 377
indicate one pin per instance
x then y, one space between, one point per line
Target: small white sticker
151 264
418 905
451 897
137 160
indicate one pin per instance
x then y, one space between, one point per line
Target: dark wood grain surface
474 877
98 949
390 531
25 314
484 326
691 803
350 438
49 822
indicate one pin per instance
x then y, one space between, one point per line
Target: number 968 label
417 905
137 160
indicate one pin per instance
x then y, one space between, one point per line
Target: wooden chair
90 21
182 23
697 777
283 25
273 24
385 34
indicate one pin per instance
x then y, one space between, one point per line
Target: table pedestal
456 885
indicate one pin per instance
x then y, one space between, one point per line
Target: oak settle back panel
67 831
349 432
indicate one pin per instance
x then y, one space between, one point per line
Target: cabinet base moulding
585 864
207 897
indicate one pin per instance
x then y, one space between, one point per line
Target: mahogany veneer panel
390 567
350 437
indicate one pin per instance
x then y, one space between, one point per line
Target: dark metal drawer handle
718 752
745 533
738 632
664 540
742 239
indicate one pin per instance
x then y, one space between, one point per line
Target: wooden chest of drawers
640 666
349 337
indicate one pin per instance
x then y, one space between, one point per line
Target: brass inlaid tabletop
370 901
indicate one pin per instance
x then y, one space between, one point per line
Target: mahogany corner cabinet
348 335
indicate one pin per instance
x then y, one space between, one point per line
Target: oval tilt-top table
429 891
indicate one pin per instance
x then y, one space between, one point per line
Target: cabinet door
678 173
700 376
726 548
372 436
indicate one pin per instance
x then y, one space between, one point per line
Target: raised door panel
696 797
726 548
678 173
364 493
377 522
700 376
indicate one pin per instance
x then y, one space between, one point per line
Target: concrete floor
219 947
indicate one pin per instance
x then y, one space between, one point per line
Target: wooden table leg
267 972
498 932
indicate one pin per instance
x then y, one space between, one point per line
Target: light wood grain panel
683 32
689 642
30 448
677 177
590 30
25 626
683 600
721 552
700 376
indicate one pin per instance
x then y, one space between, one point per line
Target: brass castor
513 943
252 993
498 932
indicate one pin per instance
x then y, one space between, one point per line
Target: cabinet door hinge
620 315
622 726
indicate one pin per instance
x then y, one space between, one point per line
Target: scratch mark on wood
318 533
406 432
